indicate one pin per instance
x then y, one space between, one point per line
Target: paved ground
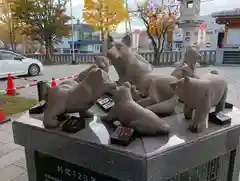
12 159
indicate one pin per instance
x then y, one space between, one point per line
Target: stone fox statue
82 75
100 62
191 57
201 95
76 97
132 115
160 97
127 64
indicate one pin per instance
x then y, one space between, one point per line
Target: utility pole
126 27
73 50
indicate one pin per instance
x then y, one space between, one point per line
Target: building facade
84 40
209 35
230 20
206 38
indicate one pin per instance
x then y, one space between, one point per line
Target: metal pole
73 50
126 26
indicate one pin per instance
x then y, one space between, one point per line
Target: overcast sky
206 8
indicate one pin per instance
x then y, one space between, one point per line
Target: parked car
16 64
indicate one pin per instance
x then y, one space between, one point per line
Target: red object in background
2 116
42 52
220 45
203 27
10 86
54 84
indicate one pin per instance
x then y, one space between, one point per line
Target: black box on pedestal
122 136
106 103
219 118
228 105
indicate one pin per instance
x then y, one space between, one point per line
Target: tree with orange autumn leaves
10 28
104 15
159 20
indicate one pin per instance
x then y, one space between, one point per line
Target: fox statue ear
110 41
127 40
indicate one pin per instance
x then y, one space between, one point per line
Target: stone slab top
98 134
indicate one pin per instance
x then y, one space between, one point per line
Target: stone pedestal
88 155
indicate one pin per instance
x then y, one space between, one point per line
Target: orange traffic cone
3 118
10 86
54 84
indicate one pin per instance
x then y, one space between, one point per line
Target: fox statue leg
188 112
199 121
221 105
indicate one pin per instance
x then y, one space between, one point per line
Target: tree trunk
104 43
11 39
48 48
156 55
14 40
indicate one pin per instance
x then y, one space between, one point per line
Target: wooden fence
167 57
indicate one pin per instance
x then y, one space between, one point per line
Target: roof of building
85 42
234 12
83 27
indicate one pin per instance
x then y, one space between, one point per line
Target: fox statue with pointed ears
201 95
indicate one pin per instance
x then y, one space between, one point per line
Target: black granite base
57 169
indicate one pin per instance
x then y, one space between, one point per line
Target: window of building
208 37
95 37
187 33
189 4
169 45
80 35
187 38
178 45
209 32
87 35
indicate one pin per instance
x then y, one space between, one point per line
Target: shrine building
231 20
228 51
